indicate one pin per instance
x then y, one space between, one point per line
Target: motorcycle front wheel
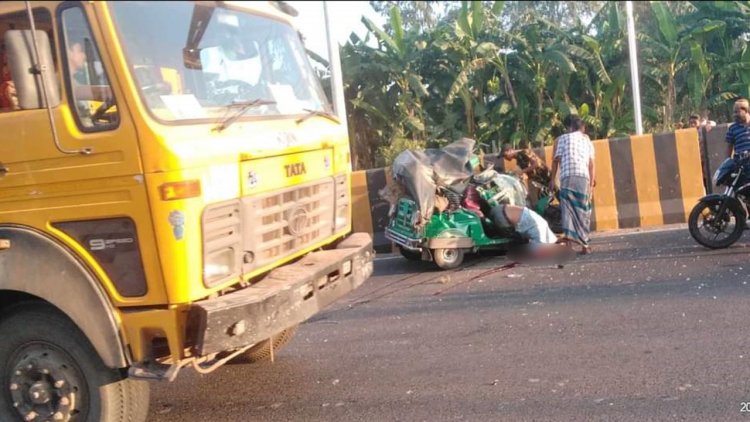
716 231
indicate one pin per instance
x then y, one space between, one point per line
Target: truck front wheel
50 372
262 350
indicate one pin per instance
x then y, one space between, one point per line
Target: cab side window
11 21
89 91
8 97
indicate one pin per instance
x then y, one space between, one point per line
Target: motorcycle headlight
715 177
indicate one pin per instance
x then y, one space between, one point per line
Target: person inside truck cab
8 97
82 89
90 89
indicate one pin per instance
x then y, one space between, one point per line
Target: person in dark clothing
530 165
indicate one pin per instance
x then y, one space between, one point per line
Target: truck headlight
218 265
342 202
342 217
222 242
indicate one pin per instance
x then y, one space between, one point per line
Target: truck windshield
195 60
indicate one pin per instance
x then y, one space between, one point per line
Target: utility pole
634 69
337 80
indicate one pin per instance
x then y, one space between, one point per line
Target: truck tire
262 350
50 371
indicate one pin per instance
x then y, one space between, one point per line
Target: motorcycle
718 220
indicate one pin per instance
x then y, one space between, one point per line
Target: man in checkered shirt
574 155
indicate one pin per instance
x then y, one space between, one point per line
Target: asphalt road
650 327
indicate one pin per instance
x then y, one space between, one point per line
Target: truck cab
174 191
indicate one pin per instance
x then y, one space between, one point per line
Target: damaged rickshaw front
442 203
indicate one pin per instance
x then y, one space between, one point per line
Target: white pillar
337 80
634 69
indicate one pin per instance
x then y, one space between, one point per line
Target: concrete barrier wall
715 149
642 181
369 211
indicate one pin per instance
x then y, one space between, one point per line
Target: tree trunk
508 85
469 105
670 103
539 112
597 105
468 111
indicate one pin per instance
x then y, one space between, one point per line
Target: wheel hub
43 384
40 392
714 224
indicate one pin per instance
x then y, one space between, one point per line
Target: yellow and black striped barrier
641 181
369 210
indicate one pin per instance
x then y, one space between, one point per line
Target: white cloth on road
535 228
531 226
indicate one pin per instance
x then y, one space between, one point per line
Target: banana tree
470 56
606 81
677 48
541 64
398 102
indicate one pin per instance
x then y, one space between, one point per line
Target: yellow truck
174 192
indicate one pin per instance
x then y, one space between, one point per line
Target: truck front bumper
287 296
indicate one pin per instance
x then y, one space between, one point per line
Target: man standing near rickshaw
574 156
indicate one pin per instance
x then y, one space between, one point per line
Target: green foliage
510 71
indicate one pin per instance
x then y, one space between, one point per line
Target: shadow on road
395 264
512 298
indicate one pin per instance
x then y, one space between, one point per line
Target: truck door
80 160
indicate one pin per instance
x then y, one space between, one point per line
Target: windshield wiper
311 113
242 107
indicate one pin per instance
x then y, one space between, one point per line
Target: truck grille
283 222
271 225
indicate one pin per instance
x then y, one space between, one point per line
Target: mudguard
38 265
712 197
716 197
450 239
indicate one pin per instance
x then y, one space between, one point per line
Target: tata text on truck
173 192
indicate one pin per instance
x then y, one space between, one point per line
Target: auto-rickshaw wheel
448 259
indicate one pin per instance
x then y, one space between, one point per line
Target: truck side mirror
26 77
